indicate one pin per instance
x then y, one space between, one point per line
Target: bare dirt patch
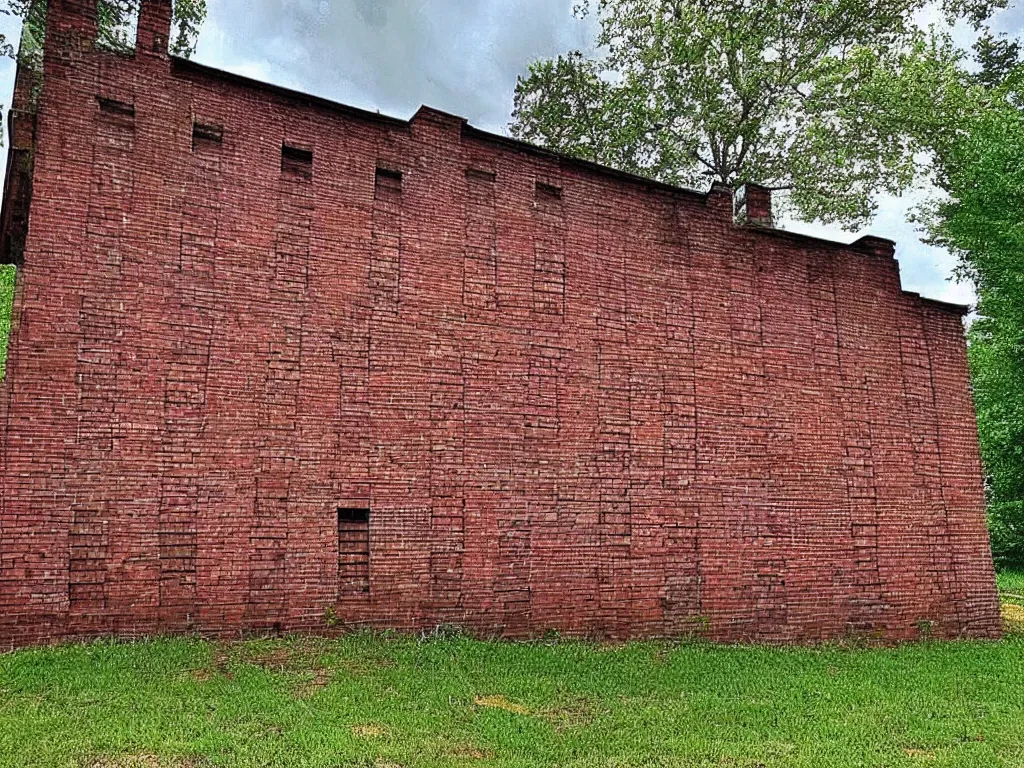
317 680
575 714
919 754
369 731
472 752
143 761
500 702
219 667
1013 618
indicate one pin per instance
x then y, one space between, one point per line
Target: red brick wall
595 405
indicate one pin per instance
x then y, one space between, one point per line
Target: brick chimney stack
752 205
154 27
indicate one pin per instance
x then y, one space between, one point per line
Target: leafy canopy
811 96
115 26
983 173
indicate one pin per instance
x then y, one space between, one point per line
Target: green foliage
997 57
981 222
6 303
188 16
1006 524
115 26
832 100
366 700
1011 583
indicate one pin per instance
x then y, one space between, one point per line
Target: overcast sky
461 56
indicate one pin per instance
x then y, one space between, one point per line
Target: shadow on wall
6 305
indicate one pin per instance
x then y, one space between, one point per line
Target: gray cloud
461 56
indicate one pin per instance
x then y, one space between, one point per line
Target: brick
570 399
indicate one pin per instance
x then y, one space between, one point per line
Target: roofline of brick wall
868 244
946 306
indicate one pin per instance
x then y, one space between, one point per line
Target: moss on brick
6 302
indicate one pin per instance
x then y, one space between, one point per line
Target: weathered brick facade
569 399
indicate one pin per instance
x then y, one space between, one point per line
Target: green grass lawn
6 298
1011 584
372 700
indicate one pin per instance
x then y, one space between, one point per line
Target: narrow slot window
115 107
353 551
548 193
206 135
296 162
7 276
117 25
387 183
475 174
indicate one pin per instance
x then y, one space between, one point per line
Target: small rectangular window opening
117 25
475 174
387 181
353 550
204 134
115 107
296 162
548 193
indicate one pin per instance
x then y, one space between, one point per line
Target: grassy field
371 700
6 297
1011 583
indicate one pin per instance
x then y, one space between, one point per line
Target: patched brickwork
279 364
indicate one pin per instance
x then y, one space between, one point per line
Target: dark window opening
548 193
117 25
297 162
475 174
353 516
206 135
115 107
387 182
353 551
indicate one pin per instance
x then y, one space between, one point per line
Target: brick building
279 364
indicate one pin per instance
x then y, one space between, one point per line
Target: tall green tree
982 223
810 96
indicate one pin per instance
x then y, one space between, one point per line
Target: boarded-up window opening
353 550
480 267
297 162
117 25
386 254
205 135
